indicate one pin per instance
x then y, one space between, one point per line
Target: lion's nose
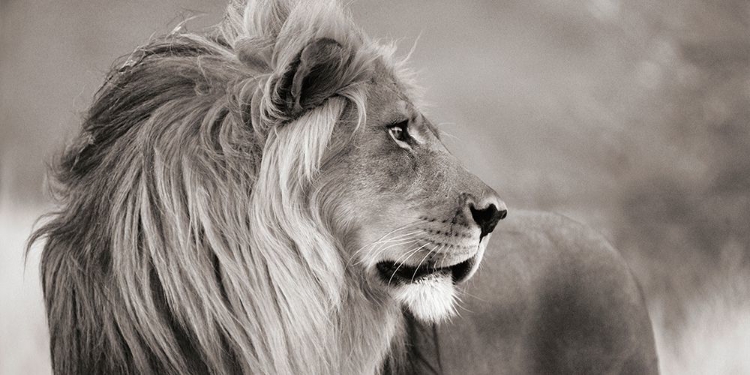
487 213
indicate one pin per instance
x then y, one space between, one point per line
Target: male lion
266 198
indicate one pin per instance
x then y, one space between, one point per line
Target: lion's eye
399 132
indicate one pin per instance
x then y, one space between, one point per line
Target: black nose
487 217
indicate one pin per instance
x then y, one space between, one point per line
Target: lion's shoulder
552 296
550 231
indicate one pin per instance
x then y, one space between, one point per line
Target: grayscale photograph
374 187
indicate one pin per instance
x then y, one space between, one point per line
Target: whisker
378 250
442 259
398 229
463 292
397 237
381 242
390 246
460 304
403 227
401 263
386 241
420 262
381 249
399 266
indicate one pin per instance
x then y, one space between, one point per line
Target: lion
267 197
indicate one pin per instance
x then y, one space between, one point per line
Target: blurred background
631 116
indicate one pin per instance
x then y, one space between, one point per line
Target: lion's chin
429 293
430 299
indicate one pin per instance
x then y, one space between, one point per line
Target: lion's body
551 297
267 198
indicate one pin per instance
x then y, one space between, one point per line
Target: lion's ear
314 76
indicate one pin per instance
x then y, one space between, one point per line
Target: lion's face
419 221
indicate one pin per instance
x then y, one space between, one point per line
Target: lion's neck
371 328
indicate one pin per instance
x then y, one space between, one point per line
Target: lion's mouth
395 273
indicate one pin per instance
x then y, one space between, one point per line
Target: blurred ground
631 116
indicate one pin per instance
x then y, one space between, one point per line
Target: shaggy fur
194 233
185 242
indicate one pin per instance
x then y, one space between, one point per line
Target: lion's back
552 296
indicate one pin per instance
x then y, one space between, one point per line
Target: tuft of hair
170 252
431 299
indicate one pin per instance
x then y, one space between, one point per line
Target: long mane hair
188 238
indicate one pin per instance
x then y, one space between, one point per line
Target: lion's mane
188 238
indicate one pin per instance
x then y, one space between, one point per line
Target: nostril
487 217
482 215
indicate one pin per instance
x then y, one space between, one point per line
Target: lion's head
263 198
418 221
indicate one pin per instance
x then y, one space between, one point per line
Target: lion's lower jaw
431 299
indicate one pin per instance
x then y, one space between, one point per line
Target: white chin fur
431 299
